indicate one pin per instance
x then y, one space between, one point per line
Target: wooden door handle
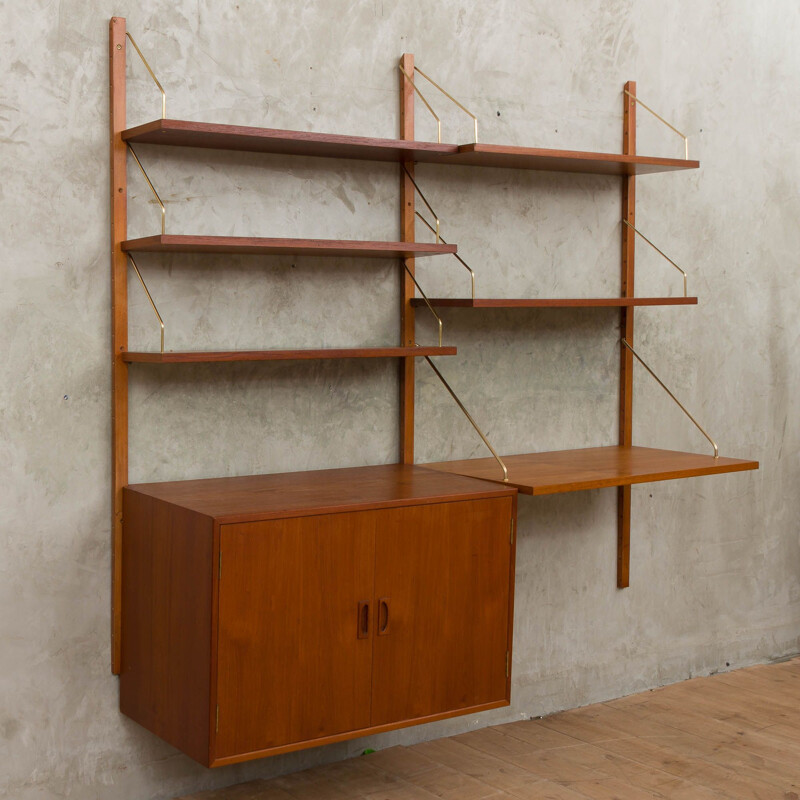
383 616
363 621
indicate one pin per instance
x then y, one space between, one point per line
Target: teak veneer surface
205 356
305 143
566 302
592 468
257 245
318 491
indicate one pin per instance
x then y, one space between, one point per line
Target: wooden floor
735 735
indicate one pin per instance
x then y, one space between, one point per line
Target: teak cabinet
261 625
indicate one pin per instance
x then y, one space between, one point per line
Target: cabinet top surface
319 491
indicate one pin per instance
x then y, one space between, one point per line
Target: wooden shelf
248 245
182 133
200 356
592 468
498 155
569 302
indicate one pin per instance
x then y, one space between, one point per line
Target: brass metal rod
153 76
457 256
662 253
427 104
449 96
678 402
425 298
469 417
659 117
153 190
424 200
149 297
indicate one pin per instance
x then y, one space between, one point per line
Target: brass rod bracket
661 119
678 402
662 253
152 75
427 204
425 298
149 297
446 94
469 417
152 189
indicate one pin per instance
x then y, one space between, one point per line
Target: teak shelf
188 357
270 613
182 133
592 468
249 245
564 302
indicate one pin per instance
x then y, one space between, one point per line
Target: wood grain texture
119 320
288 494
627 284
446 572
166 621
565 302
407 367
305 143
592 468
292 667
678 742
252 245
200 356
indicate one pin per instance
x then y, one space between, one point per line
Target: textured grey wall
715 561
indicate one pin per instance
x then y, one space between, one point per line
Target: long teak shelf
592 468
566 302
207 356
183 133
249 245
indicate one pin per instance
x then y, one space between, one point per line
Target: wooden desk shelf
592 468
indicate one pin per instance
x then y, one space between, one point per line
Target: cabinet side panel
295 620
166 622
444 573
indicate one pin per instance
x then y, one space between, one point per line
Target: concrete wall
715 561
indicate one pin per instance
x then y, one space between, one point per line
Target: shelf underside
182 133
567 302
592 468
248 245
206 356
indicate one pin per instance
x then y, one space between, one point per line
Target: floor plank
734 736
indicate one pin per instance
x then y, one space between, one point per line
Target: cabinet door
294 659
443 585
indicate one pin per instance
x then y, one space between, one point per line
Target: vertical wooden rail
407 228
119 322
626 326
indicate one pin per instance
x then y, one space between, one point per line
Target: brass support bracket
152 189
149 297
153 76
661 119
663 254
469 417
436 230
678 402
425 298
430 108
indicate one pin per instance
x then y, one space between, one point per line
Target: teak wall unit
382 595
